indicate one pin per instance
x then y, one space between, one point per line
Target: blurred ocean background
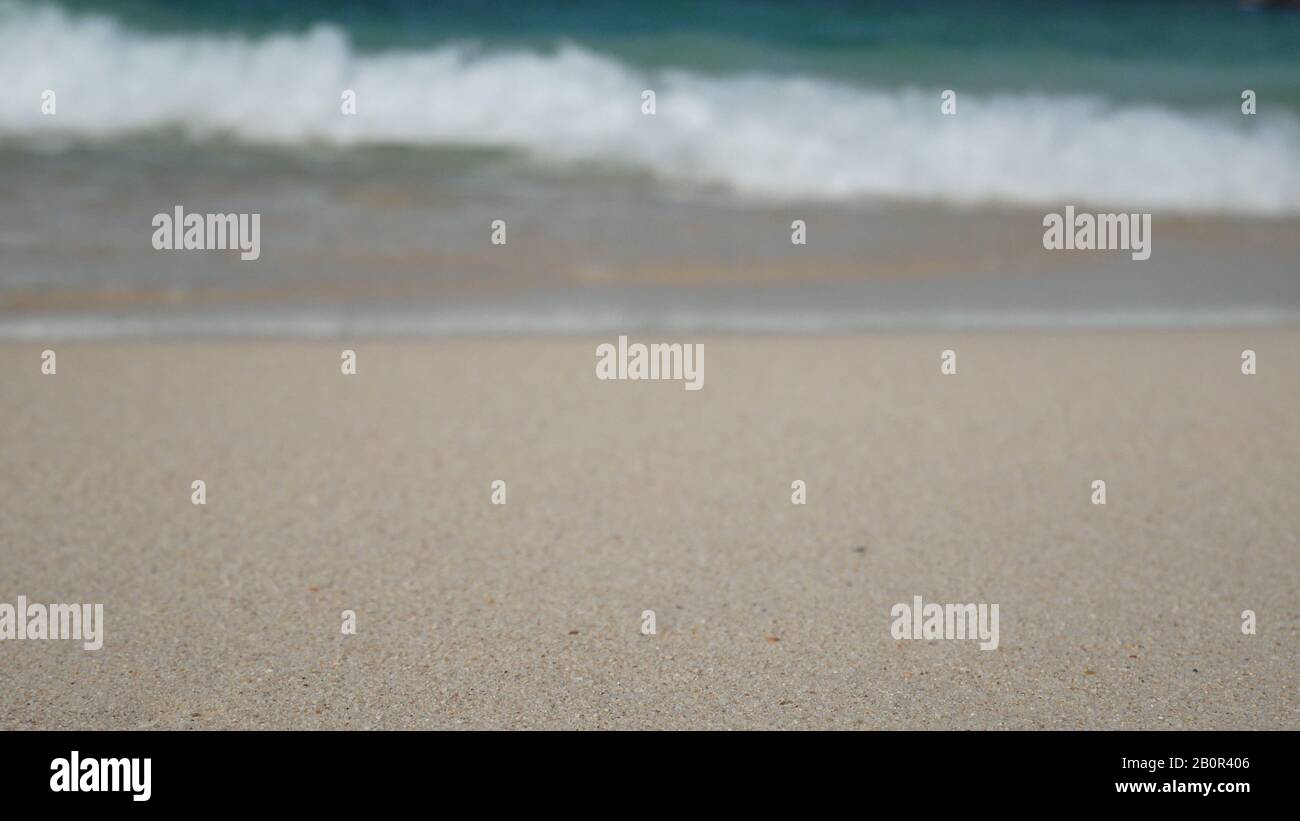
767 112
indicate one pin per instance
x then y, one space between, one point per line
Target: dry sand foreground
371 493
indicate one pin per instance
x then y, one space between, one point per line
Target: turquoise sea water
1134 103
1189 53
765 111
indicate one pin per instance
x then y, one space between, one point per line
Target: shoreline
387 327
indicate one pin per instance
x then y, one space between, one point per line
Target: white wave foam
506 321
759 136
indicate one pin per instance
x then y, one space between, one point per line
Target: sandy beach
371 493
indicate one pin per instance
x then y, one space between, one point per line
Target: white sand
371 493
